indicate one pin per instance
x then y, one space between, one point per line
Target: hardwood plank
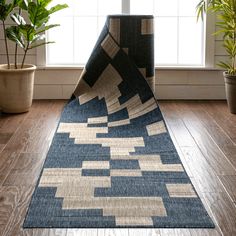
5 137
223 118
12 122
82 232
26 170
229 182
220 137
21 136
14 225
9 196
209 148
223 210
49 232
144 232
44 130
7 160
113 232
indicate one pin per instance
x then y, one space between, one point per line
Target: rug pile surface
112 162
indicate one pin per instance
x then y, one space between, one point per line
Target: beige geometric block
154 166
118 151
97 120
114 29
181 190
134 221
69 127
123 172
156 128
147 26
110 46
86 97
118 202
142 109
118 123
134 211
95 165
154 158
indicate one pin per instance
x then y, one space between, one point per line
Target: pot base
16 89
230 88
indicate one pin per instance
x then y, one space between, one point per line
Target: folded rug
112 162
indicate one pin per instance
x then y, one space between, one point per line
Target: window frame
208 48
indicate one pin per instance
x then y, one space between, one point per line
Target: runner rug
112 162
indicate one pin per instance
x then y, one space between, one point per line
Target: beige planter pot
230 88
16 88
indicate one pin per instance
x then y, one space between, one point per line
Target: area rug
112 162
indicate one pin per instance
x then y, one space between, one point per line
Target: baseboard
170 84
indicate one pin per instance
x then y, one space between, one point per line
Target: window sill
80 67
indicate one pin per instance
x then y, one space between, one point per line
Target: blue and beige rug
112 162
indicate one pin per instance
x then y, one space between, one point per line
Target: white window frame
209 49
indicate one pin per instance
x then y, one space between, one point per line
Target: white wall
58 83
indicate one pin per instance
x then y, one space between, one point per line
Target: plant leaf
14 35
18 19
40 44
56 8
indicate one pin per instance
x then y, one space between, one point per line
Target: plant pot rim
226 74
27 67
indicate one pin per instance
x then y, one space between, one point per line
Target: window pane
178 37
166 40
85 7
190 41
166 8
85 37
142 7
108 7
188 7
61 52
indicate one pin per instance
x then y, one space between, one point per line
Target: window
179 39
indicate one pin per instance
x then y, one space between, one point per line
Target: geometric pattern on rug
112 162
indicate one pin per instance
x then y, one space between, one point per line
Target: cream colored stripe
153 166
114 29
123 172
135 211
142 107
97 120
181 190
109 46
119 123
147 26
121 151
143 112
95 165
156 128
86 97
108 202
134 221
145 158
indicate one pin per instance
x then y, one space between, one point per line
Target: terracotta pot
230 88
16 88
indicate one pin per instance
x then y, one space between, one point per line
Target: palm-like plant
226 14
27 34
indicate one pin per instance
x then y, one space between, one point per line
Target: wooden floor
204 134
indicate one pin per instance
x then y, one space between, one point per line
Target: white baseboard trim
172 84
162 92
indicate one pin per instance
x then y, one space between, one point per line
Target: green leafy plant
225 11
27 33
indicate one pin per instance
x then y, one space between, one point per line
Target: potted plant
17 80
226 14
